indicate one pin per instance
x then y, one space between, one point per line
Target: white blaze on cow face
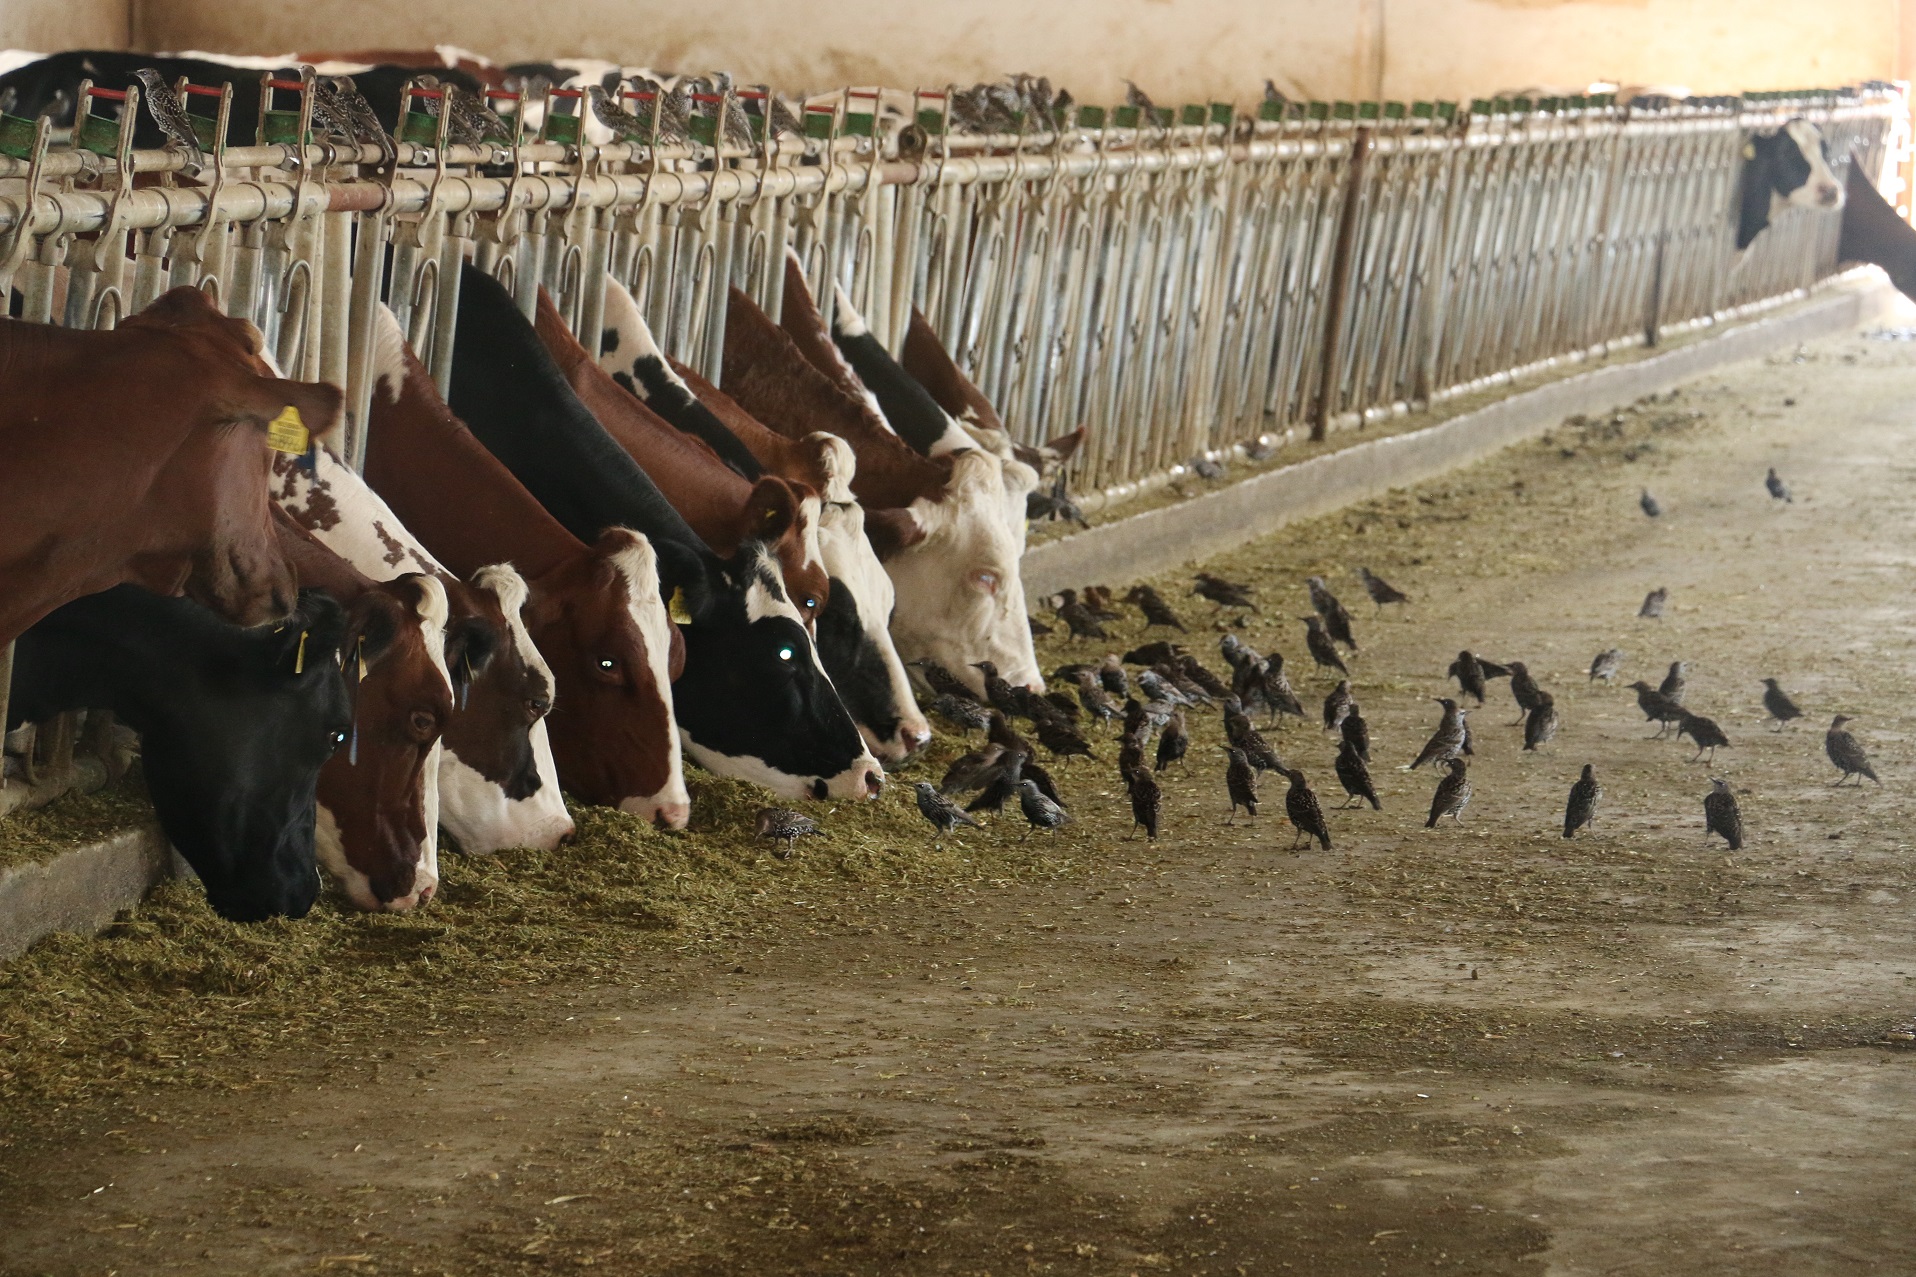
638 567
960 595
1821 189
850 560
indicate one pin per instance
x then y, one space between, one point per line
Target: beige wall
1180 50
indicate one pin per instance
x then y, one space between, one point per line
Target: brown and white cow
498 784
139 455
594 612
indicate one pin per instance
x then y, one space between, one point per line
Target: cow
1874 233
498 784
594 612
753 702
235 724
1785 168
854 640
139 455
379 797
932 366
937 523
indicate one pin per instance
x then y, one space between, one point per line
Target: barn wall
64 24
1179 49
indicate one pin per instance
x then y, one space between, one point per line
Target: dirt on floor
1475 1049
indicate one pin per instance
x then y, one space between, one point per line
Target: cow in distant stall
1875 233
235 724
854 640
1787 168
139 455
595 612
753 702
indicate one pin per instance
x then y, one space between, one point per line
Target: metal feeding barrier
1183 283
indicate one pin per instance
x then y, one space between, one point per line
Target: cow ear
471 643
892 531
372 623
771 508
675 655
292 413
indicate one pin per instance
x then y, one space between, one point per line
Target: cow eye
784 653
607 664
337 738
810 602
986 581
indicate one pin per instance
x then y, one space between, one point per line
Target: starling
1194 672
1380 590
1154 653
164 106
966 716
1062 739
1134 96
1130 756
943 813
1240 778
1278 696
1337 620
1057 706
1650 504
1542 723
1582 808
1778 705
1040 812
1187 687
1160 688
1704 732
781 824
1672 685
1778 489
1355 777
475 118
1207 468
1042 779
1001 784
942 681
1222 592
1000 732
1653 602
1356 734
1072 611
973 770
1147 802
1524 688
1846 753
1447 742
1656 707
1096 701
1038 628
1111 675
1300 804
1249 741
999 694
1606 665
1323 651
1338 705
1173 743
350 107
458 131
1452 796
1156 610
1097 598
1469 673
1236 652
1720 815
1136 723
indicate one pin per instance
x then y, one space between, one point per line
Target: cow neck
800 320
909 409
773 451
931 365
317 566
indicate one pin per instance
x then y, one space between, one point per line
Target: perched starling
943 813
1606 665
1524 688
965 715
1194 672
350 107
1042 779
1337 621
1240 778
1650 504
1447 742
1452 796
1134 96
999 694
1720 814
1653 602
1156 610
1846 753
1582 808
1380 590
1542 722
1158 688
1278 696
973 770
1147 802
459 132
781 824
1469 673
1703 732
1337 705
1040 812
1083 624
1356 734
474 118
1111 675
1173 743
164 106
1300 804
942 681
1355 777
1154 653
1778 489
1096 701
1222 592
1249 741
1778 705
1323 651
1672 685
1656 707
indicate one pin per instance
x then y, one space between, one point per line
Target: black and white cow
1787 168
753 702
234 725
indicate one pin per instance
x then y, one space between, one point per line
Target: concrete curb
79 890
1157 540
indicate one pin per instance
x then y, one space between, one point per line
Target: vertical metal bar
1339 288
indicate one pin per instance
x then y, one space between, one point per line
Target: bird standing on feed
1447 742
1240 779
1147 803
1356 733
1582 807
943 814
1301 807
1721 816
1040 812
1674 682
781 824
1606 664
1380 590
1452 796
1778 705
1657 708
1322 650
1338 705
1653 602
1524 689
1542 723
1173 742
1845 751
1651 506
1337 619
164 106
1704 732
1354 776
1779 490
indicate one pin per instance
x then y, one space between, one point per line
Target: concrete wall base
79 890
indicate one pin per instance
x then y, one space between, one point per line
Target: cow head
785 516
1789 168
614 652
379 797
960 595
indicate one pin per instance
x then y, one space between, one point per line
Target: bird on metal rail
1651 506
1606 664
732 125
1847 753
476 118
170 114
1222 592
1447 742
1322 650
1147 802
781 824
1134 96
1240 779
1653 602
1582 807
1541 723
943 814
1041 811
625 126
1779 490
1704 732
1523 688
361 122
1173 742
1337 620
1380 590
1338 704
1671 688
1356 733
1721 815
1778 705
1452 795
1354 776
459 131
1306 816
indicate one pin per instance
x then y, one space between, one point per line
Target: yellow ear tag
675 607
362 658
1749 150
288 433
299 657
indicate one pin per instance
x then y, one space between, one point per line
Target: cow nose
1827 194
672 815
915 738
874 781
820 790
